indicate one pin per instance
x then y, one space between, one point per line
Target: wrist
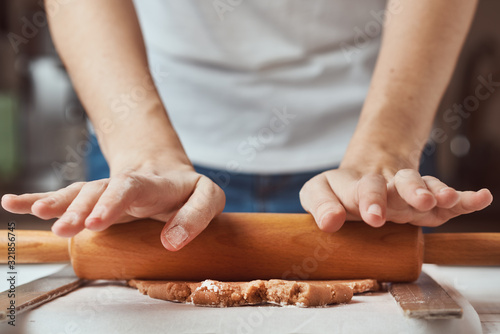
385 144
156 154
380 159
158 164
145 140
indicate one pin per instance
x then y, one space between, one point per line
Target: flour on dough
281 292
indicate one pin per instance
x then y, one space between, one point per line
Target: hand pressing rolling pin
265 109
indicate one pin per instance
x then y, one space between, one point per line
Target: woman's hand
184 199
378 178
344 194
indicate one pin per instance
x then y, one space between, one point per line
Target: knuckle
219 192
93 187
303 191
199 206
101 182
209 198
373 196
60 196
73 213
428 178
205 211
325 205
210 189
88 187
130 180
307 188
217 206
166 185
372 177
76 185
406 173
409 171
372 184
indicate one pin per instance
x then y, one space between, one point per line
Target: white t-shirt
261 86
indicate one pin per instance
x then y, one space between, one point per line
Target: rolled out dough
281 292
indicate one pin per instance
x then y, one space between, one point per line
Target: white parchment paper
112 307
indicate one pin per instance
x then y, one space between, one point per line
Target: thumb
206 202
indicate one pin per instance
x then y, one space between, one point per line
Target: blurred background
44 139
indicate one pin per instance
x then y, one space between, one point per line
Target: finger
203 205
446 197
56 204
114 201
73 220
469 202
413 190
318 198
372 199
22 203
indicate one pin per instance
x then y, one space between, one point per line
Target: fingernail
422 191
93 224
48 201
176 236
375 209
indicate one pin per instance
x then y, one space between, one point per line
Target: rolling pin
246 246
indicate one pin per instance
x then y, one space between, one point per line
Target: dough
281 292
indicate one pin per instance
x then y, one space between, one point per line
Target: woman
265 96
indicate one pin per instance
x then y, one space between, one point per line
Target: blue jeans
260 193
244 192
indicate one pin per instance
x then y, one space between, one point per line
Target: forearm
101 45
419 51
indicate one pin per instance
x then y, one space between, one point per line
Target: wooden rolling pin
245 246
